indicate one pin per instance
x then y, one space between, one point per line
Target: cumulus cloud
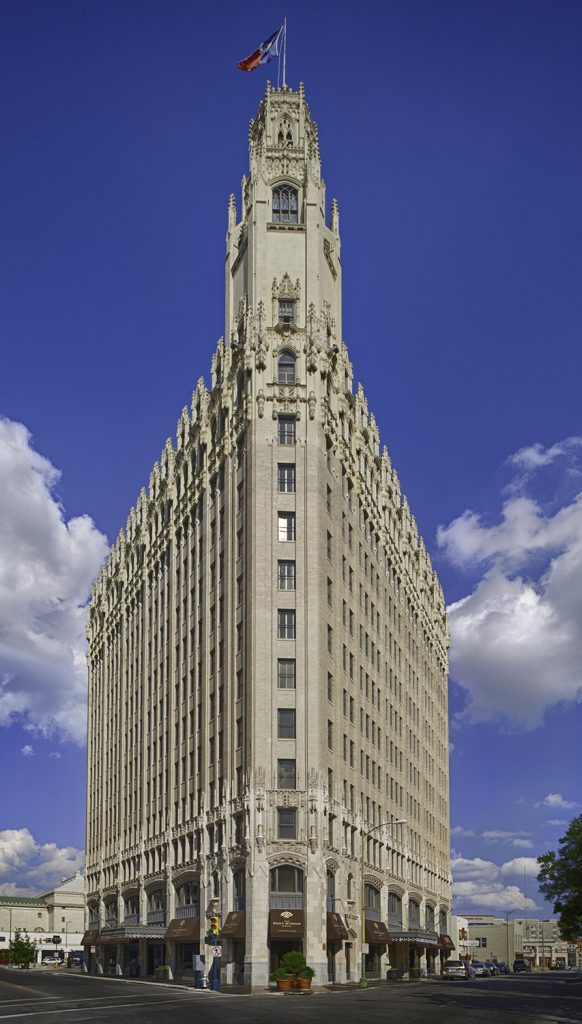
28 867
557 800
46 567
479 883
516 642
513 838
27 751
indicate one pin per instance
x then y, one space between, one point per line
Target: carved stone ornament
261 404
261 345
313 843
311 405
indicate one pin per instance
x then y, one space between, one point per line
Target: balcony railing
280 901
110 922
131 919
156 916
189 910
394 922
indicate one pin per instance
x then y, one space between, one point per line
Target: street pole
363 983
507 916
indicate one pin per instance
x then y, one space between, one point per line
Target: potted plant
295 965
283 979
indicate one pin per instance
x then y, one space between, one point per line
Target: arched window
239 886
372 902
286 368
188 894
330 891
443 922
413 914
430 919
350 887
286 888
285 205
394 910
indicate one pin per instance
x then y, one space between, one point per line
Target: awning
286 924
235 925
445 942
90 938
336 929
377 933
183 929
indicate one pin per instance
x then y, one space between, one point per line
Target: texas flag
265 52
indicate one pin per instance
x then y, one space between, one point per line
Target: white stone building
268 641
58 913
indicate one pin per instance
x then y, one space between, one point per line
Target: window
330 687
286 773
285 205
286 526
286 623
287 879
286 673
286 430
329 640
287 823
286 723
330 734
285 575
286 477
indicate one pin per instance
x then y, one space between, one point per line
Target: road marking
87 1009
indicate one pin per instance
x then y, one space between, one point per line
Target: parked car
492 967
502 967
521 967
481 970
51 960
458 969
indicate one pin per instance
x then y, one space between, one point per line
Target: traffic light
214 924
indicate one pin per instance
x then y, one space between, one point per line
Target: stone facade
268 639
60 912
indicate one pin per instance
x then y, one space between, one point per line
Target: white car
51 960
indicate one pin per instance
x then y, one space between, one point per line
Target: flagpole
284 53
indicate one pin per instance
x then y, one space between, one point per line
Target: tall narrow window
286 623
287 316
287 823
286 673
286 477
286 575
286 430
286 723
286 773
285 205
286 526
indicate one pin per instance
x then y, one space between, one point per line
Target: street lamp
507 916
385 824
67 923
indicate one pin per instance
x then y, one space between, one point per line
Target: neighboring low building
534 940
58 912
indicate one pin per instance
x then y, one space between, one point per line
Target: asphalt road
59 996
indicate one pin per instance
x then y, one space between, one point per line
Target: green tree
560 880
22 951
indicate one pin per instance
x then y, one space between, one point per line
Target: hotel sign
286 924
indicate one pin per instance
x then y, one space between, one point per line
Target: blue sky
450 135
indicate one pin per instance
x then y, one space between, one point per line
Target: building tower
268 641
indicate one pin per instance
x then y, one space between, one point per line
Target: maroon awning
183 929
286 924
90 937
336 929
445 942
235 925
377 933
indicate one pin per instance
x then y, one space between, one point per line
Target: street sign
216 950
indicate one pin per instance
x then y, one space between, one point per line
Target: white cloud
516 642
496 836
47 565
55 754
520 866
27 751
479 883
557 800
27 866
556 821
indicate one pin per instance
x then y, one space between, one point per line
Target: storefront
89 944
286 932
336 933
234 931
184 933
446 947
377 938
